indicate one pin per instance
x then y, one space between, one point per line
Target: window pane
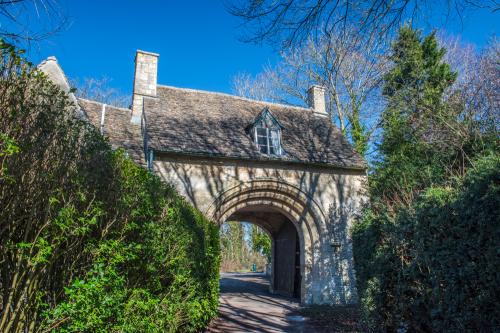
267 136
261 131
262 140
275 142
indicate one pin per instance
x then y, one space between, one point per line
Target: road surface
247 306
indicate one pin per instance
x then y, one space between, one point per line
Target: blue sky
197 41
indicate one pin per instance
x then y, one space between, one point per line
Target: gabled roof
200 123
117 128
262 115
54 72
193 122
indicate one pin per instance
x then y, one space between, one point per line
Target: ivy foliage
89 241
426 249
433 266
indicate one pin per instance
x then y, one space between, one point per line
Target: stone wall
319 201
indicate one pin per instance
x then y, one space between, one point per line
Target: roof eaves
264 159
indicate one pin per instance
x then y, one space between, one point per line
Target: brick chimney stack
145 80
316 100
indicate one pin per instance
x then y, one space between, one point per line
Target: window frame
270 144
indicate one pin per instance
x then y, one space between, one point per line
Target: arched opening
287 213
245 247
285 276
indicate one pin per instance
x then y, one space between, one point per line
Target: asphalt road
247 306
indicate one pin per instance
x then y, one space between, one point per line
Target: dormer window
267 134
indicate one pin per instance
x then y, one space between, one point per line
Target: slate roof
200 123
194 122
117 128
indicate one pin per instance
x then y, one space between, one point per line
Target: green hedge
433 266
89 241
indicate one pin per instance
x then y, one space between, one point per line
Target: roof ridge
235 97
107 105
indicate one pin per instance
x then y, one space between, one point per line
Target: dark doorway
287 277
298 277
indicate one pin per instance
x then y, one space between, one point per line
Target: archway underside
286 274
274 205
264 216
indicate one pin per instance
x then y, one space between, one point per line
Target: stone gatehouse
285 168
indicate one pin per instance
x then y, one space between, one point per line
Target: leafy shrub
433 266
89 241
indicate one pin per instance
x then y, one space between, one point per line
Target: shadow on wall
222 135
205 180
202 180
341 263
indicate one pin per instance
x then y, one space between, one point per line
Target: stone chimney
145 80
316 100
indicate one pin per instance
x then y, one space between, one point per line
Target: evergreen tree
428 240
414 150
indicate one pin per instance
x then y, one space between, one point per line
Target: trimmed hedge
89 241
433 266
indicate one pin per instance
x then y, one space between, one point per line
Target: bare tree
344 34
486 94
338 44
292 22
350 74
477 86
260 87
99 90
26 21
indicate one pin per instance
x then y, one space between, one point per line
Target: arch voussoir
286 199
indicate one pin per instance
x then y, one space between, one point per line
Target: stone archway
318 201
275 196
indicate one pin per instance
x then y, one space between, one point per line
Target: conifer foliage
415 148
425 249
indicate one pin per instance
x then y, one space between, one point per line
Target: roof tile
117 128
204 123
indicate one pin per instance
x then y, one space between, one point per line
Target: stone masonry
146 68
202 143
